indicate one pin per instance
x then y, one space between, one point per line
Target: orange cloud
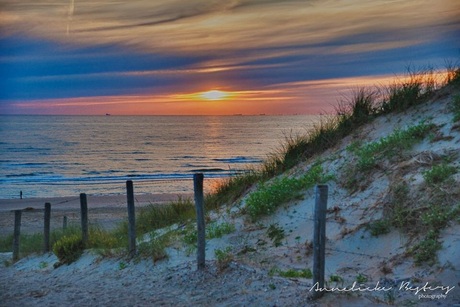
307 97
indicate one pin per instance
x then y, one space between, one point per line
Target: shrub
335 278
100 238
214 230
426 249
155 247
453 74
360 278
368 154
456 107
276 234
68 248
437 217
154 217
401 215
439 173
270 196
223 257
378 228
232 188
305 273
402 96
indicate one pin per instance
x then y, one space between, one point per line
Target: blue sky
150 57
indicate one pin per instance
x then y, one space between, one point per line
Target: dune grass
362 107
269 196
394 144
34 243
455 106
153 217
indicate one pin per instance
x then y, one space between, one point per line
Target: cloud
84 49
224 27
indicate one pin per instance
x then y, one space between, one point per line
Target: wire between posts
356 253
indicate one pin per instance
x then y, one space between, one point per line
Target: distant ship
107 114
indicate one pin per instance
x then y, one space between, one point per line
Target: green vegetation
232 188
453 74
269 196
426 249
31 243
439 173
335 278
223 257
276 234
68 248
291 273
424 216
434 220
155 246
379 227
215 230
360 278
400 212
122 265
456 108
369 154
155 217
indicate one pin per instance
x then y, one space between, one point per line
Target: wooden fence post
131 218
46 236
17 234
319 238
84 218
64 222
201 228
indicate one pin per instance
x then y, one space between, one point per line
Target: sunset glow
215 95
252 57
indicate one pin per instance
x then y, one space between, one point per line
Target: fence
319 235
199 205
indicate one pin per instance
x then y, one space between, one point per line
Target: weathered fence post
319 239
46 236
64 222
17 234
131 218
84 218
199 205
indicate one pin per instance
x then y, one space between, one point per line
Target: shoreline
94 201
104 211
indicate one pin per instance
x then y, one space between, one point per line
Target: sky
190 57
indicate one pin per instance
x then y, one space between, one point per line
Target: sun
214 95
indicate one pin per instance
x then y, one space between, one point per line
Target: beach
104 211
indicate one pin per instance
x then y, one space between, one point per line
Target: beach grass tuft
364 106
455 106
153 217
270 195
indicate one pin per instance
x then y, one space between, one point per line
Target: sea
62 156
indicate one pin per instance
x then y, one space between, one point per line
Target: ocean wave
62 180
239 159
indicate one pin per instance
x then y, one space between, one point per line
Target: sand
105 211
